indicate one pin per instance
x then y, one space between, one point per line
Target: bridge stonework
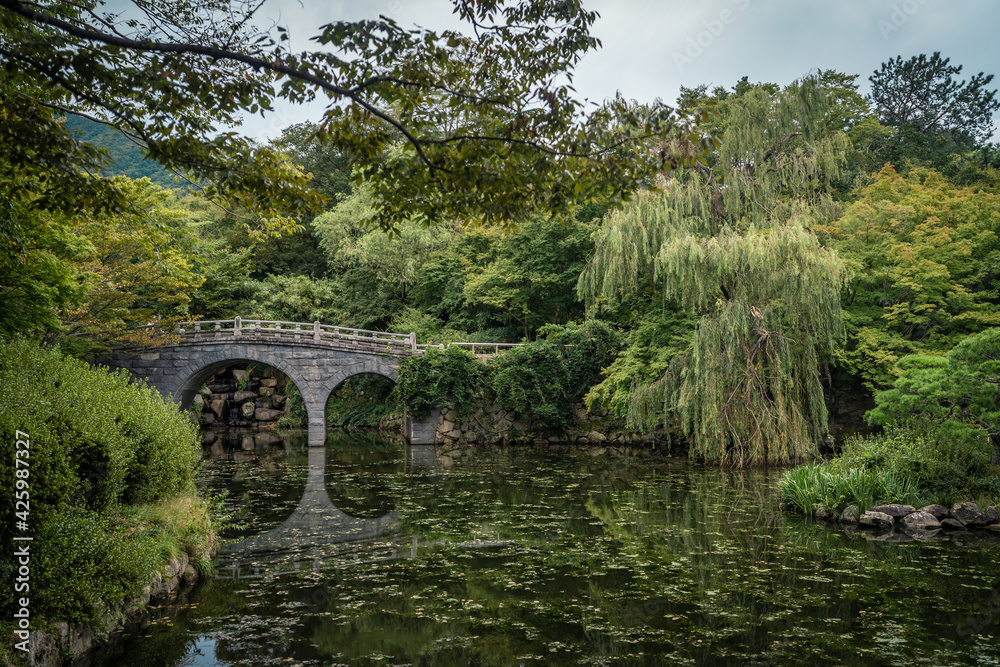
317 368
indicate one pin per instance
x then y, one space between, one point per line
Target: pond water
369 553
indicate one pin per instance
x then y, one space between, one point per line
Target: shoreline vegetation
880 480
115 519
941 421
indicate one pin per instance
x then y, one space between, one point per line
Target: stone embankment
254 396
923 523
595 431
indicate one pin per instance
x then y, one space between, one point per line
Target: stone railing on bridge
278 331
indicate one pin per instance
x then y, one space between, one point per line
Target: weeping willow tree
730 242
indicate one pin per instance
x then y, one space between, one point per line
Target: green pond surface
369 553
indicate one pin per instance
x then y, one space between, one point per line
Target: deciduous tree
925 256
173 73
732 246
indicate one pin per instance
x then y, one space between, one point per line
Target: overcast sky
653 47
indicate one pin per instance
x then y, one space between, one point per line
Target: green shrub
959 391
921 463
544 378
586 349
937 456
101 446
540 380
97 439
87 567
533 380
427 327
439 377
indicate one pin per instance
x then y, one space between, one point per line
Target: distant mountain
128 158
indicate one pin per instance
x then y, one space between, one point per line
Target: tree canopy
922 94
732 246
489 122
923 255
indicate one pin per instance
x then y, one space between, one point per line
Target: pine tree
732 245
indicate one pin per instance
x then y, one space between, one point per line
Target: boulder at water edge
937 511
968 514
924 520
876 519
895 511
992 515
952 524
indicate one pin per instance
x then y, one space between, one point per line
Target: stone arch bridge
316 357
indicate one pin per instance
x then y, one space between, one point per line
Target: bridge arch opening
364 400
241 393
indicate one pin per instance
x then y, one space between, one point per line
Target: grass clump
814 485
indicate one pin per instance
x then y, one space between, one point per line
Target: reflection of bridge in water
316 521
318 534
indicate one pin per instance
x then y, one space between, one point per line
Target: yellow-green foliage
923 254
731 245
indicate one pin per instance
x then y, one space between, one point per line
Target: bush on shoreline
916 465
540 380
942 432
112 498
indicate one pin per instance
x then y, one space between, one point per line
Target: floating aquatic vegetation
520 556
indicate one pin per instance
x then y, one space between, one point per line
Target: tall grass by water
813 485
916 465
